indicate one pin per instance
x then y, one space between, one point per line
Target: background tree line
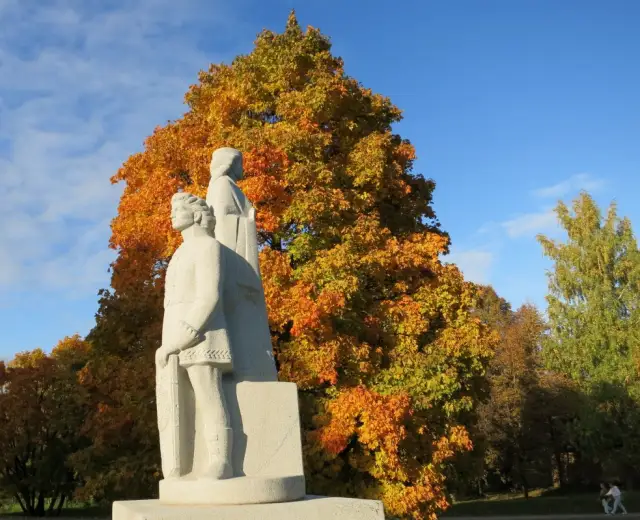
414 383
562 406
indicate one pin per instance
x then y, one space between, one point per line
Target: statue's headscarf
226 161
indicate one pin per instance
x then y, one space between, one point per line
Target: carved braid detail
209 354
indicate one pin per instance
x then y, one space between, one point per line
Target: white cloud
80 89
530 224
545 220
575 183
475 264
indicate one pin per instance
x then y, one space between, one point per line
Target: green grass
71 510
540 502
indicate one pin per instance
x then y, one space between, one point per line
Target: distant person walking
616 494
605 498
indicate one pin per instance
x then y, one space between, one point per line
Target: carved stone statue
235 228
229 430
194 334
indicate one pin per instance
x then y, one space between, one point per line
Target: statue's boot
219 444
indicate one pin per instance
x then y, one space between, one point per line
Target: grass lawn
540 502
72 510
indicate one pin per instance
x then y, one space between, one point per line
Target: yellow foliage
375 330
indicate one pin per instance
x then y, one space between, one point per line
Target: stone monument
229 431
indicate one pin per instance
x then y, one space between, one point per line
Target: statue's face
181 216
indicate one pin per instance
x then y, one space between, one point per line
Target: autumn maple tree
377 332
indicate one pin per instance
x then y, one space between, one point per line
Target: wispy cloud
81 85
530 224
475 264
544 220
575 183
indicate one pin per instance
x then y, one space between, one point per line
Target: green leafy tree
594 297
594 317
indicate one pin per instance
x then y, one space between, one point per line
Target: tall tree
594 316
515 443
594 296
375 330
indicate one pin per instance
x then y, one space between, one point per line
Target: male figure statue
194 337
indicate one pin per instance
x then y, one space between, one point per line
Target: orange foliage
375 330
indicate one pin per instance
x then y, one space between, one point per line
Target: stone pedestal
232 491
266 426
266 455
310 508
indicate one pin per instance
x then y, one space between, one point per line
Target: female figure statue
245 306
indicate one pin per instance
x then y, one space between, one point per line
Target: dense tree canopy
376 331
594 300
515 420
42 409
594 313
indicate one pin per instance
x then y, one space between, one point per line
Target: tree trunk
40 505
562 477
53 504
31 503
523 477
22 504
63 497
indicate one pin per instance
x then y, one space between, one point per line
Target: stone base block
239 490
310 508
266 430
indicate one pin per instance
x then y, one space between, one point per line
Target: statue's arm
208 289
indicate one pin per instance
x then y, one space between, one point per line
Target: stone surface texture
232 491
311 508
267 451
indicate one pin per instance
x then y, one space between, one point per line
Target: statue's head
187 210
226 161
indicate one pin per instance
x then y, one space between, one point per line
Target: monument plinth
229 431
310 508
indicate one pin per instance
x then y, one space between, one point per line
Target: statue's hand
162 356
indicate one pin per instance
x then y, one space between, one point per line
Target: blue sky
511 106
